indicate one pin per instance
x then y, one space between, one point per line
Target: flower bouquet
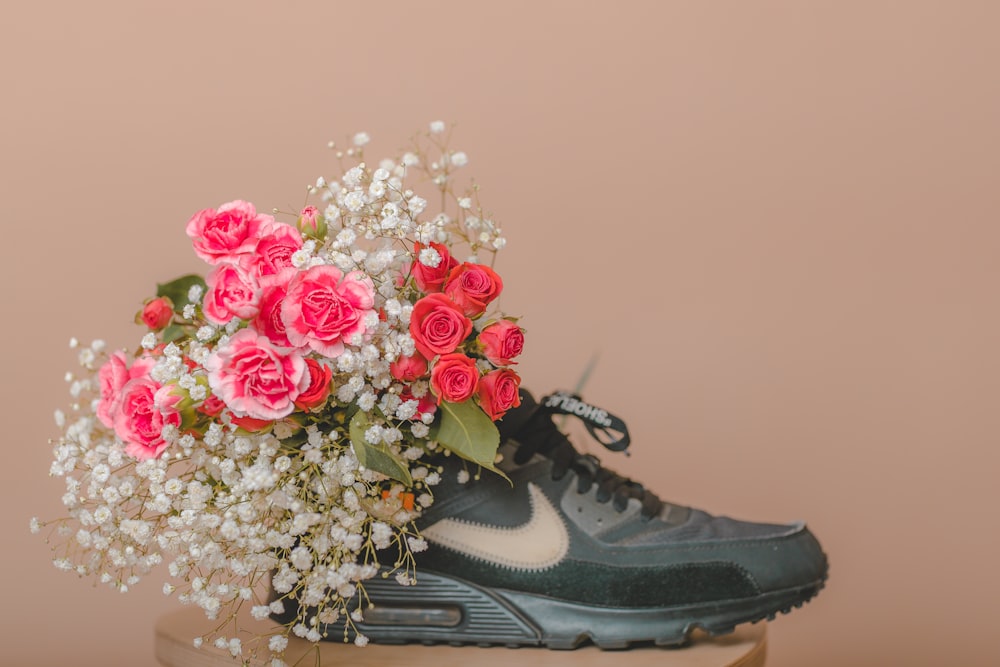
271 439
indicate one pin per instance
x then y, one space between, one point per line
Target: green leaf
173 332
467 431
376 457
178 289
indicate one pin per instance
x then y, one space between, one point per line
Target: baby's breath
284 518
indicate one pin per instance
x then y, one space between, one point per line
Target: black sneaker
574 552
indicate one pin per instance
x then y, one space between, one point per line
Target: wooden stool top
175 633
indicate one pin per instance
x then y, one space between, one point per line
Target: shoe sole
443 609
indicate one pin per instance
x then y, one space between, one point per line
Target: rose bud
431 276
156 313
318 390
252 425
498 392
501 342
408 369
212 406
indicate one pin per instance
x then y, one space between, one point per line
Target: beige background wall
777 223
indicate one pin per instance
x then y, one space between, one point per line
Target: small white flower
465 203
301 258
430 257
437 126
373 435
354 201
416 205
361 138
149 341
353 176
459 159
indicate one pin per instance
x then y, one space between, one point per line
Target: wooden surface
175 633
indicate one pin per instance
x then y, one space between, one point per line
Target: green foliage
376 457
177 290
466 430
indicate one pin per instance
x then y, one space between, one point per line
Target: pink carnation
144 410
274 250
273 290
113 376
256 379
226 234
323 308
231 292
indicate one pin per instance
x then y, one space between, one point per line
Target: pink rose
502 341
254 378
473 287
318 388
141 415
274 250
438 325
432 278
498 392
323 308
231 292
273 290
227 233
156 313
113 376
408 369
454 377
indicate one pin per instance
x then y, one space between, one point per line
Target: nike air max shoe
573 552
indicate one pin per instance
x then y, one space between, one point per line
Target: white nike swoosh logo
536 545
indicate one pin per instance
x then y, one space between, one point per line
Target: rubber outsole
442 609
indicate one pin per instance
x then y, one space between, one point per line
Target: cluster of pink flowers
441 322
292 325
